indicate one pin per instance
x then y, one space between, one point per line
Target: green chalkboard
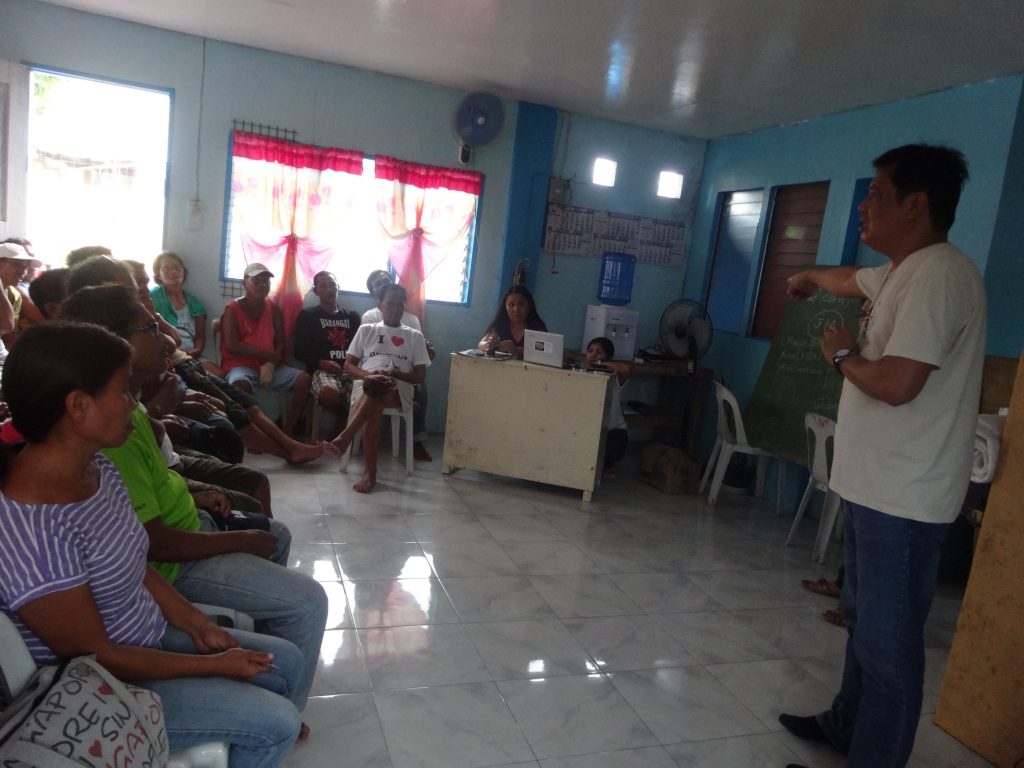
796 379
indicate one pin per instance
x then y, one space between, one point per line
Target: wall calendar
590 232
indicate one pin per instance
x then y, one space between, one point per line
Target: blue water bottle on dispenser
616 284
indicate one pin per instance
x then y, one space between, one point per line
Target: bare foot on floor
303 734
824 587
306 453
420 452
341 443
835 616
366 484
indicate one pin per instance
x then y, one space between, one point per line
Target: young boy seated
600 352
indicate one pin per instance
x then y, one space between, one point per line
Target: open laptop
543 348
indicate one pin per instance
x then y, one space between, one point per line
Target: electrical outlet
195 214
558 191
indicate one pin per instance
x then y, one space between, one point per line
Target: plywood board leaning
982 698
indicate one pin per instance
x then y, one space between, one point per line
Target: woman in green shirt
182 310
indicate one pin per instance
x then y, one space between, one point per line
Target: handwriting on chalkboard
796 379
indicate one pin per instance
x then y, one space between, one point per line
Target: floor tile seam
374 541
650 729
560 542
793 756
497 690
696 654
640 608
768 728
350 599
583 754
773 727
592 661
405 626
380 725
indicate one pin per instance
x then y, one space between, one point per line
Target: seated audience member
187 417
258 431
600 352
48 290
516 315
376 281
78 255
385 360
244 570
322 336
15 261
74 578
141 278
6 324
253 345
31 272
100 269
96 270
240 407
178 307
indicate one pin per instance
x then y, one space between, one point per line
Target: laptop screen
543 348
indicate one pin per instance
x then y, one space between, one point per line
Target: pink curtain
288 200
425 215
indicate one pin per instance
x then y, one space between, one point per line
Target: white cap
15 251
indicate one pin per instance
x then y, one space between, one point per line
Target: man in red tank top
253 345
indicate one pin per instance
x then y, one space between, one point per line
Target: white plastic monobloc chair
732 439
821 432
396 415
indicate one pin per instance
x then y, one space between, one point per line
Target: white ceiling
701 68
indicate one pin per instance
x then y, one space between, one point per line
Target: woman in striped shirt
73 571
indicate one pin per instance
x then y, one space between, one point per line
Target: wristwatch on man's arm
839 356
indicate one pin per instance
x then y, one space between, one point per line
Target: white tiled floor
477 621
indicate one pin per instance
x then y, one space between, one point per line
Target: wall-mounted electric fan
478 120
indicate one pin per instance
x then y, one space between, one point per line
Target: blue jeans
891 565
282 603
256 718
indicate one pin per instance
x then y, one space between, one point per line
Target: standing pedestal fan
685 331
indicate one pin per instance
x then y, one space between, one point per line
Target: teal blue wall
341 106
566 284
325 103
357 109
532 155
979 119
1004 273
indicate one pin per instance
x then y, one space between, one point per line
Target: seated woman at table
516 315
73 573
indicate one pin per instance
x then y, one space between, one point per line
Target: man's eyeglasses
152 327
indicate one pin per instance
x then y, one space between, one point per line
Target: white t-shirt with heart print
378 346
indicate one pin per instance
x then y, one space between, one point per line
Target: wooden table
531 422
679 407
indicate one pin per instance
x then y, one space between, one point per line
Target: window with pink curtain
291 208
300 209
426 217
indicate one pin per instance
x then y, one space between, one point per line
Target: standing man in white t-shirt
376 281
904 441
385 360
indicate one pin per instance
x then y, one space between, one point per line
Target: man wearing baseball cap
253 345
15 261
